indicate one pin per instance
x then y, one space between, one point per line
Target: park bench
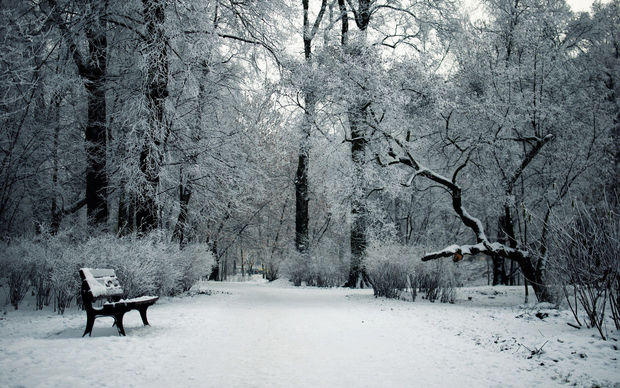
103 283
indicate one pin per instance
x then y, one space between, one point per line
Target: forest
356 143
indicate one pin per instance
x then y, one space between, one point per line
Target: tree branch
526 161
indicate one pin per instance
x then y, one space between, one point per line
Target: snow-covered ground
274 335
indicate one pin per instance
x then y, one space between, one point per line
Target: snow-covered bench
103 283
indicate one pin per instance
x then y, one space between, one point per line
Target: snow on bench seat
102 282
139 300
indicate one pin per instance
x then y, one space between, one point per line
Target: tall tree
91 67
309 96
157 130
357 51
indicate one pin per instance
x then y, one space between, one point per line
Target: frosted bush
17 269
296 268
63 276
272 264
144 266
318 268
436 280
394 268
41 277
388 267
196 262
584 263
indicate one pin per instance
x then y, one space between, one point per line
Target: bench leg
90 321
118 320
143 315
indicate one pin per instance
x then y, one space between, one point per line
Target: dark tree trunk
215 270
56 214
151 155
359 211
126 210
94 74
301 177
185 193
301 202
357 114
534 277
92 70
503 234
96 143
499 272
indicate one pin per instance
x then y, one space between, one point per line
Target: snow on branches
483 245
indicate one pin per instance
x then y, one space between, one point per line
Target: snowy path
247 335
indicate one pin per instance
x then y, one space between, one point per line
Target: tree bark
301 176
56 215
185 193
126 212
357 114
92 70
151 155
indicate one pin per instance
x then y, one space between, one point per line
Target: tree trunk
357 113
56 214
215 270
301 177
499 268
126 210
359 211
185 193
151 155
96 144
94 73
536 279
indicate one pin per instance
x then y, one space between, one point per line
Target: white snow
274 335
107 285
132 300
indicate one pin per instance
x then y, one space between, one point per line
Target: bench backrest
100 283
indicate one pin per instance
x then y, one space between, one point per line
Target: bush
64 282
318 268
49 265
17 269
585 263
436 280
389 267
195 261
395 268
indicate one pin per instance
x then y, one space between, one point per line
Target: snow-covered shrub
196 262
317 268
584 261
436 280
64 280
327 267
296 267
41 279
150 265
272 270
17 269
272 263
389 266
25 266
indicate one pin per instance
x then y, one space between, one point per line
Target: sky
473 11
580 5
